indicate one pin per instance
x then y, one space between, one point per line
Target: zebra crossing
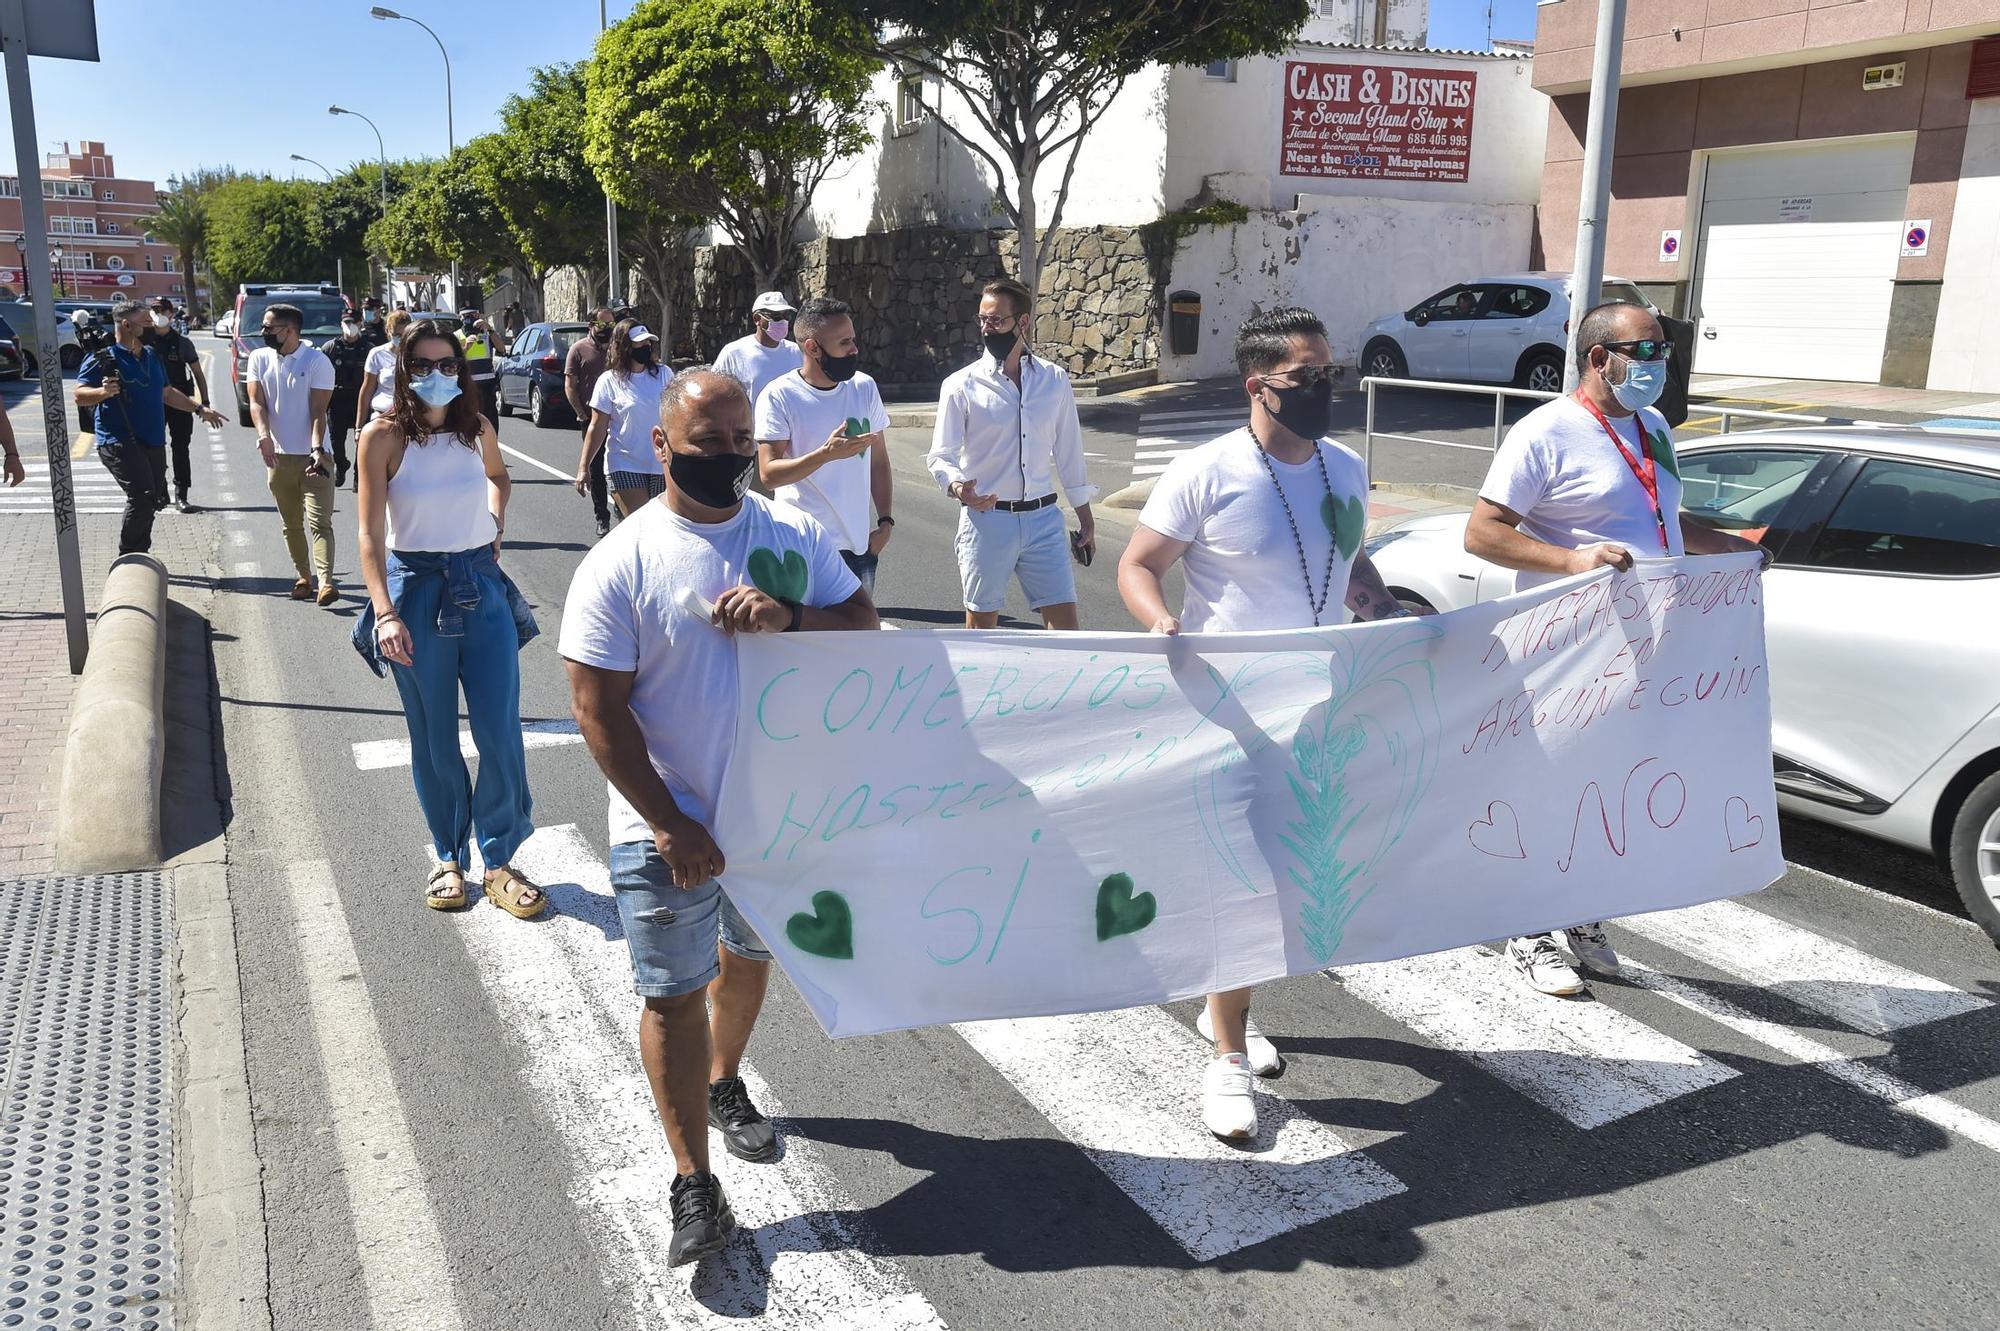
1122 1087
1166 434
92 485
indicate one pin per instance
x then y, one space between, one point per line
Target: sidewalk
1979 409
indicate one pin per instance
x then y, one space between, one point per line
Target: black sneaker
747 1133
604 524
184 506
339 475
702 1218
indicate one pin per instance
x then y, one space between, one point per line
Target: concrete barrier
109 817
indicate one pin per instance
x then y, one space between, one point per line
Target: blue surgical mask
437 388
1644 381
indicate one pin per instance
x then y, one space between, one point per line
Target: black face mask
1306 411
839 368
274 340
642 355
1001 345
600 333
715 481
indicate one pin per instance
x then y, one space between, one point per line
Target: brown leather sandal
506 889
446 900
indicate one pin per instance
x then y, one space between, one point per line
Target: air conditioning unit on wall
1876 77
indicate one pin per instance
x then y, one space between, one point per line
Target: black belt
1024 505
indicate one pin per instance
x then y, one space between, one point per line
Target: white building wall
1349 260
1234 130
925 177
1354 21
1968 318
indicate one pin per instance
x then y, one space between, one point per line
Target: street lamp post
382 160
450 133
339 262
55 252
610 219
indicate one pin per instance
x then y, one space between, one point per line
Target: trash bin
1184 322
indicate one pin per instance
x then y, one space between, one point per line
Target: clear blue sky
247 82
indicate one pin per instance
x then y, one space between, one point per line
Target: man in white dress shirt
1007 436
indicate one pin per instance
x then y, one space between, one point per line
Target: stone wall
916 298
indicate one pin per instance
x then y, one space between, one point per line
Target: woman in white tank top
446 620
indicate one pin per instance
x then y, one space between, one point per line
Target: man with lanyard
1266 523
819 438
765 353
586 362
183 364
1583 482
1006 433
127 386
479 361
349 354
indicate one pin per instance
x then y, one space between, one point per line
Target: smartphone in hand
1078 550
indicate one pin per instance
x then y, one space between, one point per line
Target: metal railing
1501 393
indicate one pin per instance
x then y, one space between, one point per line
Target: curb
109 817
1451 494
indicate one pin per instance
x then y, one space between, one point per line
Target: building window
910 109
116 263
1223 71
1329 8
149 263
166 264
61 189
73 226
10 187
107 196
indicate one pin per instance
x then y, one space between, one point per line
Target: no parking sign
1670 247
1916 237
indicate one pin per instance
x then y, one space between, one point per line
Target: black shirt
177 353
350 361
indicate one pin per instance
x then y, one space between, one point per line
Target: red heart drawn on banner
1499 833
1744 828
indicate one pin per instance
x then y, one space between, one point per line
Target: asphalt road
1796 1127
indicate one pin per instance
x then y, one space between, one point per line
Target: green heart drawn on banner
1119 910
828 931
782 579
1345 522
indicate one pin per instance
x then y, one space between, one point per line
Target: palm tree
183 223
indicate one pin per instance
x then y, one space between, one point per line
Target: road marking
1797 964
1863 1076
798 1262
402 1252
1931 911
537 462
375 754
1585 1060
1125 1087
1224 420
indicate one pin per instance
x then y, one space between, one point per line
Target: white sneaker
1227 1105
1593 949
1265 1060
1537 961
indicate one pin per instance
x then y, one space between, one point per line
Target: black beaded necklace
1316 600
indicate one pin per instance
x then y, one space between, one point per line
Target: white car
1510 329
1882 623
226 325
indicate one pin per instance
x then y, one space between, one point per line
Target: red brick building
97 217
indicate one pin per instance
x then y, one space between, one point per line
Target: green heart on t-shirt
782 579
1663 452
1345 522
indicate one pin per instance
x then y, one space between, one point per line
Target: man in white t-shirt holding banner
766 353
819 438
646 637
1266 523
1587 480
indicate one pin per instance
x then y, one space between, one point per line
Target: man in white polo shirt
819 438
290 384
1579 483
1007 434
766 353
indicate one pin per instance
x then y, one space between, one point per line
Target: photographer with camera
125 386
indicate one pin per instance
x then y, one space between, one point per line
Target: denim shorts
995 546
672 932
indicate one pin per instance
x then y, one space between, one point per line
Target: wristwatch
885 521
798 614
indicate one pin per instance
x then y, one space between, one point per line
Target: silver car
1882 623
1509 329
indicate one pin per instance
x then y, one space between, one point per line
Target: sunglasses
1645 348
424 364
1305 377
993 323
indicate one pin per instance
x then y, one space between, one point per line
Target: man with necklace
1266 523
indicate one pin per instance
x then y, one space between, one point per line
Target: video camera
93 332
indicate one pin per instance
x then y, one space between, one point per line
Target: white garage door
1798 259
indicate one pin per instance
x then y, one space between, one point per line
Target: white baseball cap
641 333
772 302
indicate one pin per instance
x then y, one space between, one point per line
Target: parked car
322 305
1511 329
13 361
21 315
1880 612
531 373
226 325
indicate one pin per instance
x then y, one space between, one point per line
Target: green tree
731 111
258 232
1033 76
535 171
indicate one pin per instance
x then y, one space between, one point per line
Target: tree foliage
535 171
1034 76
728 110
258 232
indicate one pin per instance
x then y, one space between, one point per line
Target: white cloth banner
957 825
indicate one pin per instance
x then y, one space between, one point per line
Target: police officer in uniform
349 354
478 340
184 375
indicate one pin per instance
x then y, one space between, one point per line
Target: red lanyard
1648 475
